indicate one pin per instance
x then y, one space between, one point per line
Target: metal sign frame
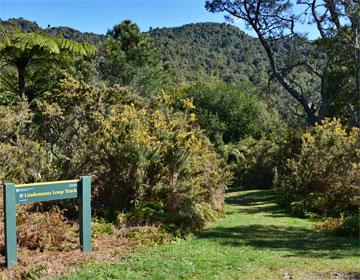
37 192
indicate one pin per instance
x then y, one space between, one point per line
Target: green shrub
257 162
230 113
244 130
145 157
254 162
149 235
22 158
146 213
34 273
100 226
324 178
160 165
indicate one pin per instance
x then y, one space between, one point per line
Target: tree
30 56
128 56
228 113
274 21
338 23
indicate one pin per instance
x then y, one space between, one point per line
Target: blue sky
98 16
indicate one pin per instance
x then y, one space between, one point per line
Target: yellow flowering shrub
144 156
162 165
324 178
22 159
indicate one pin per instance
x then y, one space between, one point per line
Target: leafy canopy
31 57
129 58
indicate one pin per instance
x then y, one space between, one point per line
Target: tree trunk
355 21
21 80
357 62
311 118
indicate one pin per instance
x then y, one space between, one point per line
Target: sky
100 15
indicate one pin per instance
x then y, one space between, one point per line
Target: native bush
244 130
141 154
253 161
324 178
257 162
230 113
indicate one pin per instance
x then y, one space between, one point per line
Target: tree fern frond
74 47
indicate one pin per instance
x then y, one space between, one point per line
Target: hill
207 50
196 52
25 25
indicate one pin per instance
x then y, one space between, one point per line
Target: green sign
37 192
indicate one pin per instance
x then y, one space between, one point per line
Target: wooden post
85 213
10 224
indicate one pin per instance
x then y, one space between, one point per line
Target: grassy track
255 240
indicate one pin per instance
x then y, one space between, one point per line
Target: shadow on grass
251 198
295 241
257 201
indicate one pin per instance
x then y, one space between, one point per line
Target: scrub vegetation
166 121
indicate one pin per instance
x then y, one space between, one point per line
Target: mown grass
255 240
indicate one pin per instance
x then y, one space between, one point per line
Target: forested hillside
25 25
203 51
196 52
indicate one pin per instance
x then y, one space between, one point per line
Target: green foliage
146 213
129 57
149 236
254 161
31 63
100 226
324 177
257 162
27 44
205 52
33 273
23 159
140 155
229 113
245 131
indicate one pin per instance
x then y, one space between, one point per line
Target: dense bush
22 159
324 178
129 58
256 163
230 113
142 156
248 134
253 161
160 162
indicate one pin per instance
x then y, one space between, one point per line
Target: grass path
255 240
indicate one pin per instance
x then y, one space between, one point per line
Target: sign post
10 224
37 192
85 214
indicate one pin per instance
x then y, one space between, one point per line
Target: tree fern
22 51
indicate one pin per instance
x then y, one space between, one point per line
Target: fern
44 43
23 51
